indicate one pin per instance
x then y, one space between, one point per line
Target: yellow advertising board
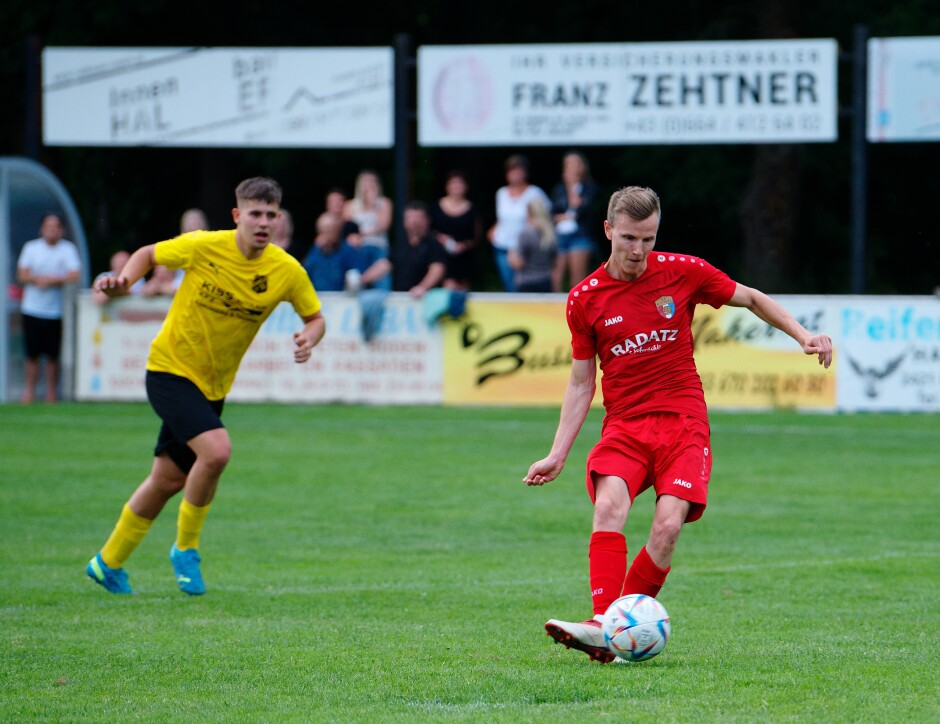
507 353
745 363
517 352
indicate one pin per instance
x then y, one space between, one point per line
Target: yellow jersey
221 304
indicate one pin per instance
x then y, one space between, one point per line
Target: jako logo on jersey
612 320
666 307
683 483
635 344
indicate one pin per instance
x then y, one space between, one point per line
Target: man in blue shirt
335 265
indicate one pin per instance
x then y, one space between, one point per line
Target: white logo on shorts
683 483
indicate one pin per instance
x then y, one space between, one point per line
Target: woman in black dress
455 221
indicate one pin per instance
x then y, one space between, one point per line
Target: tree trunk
768 209
767 217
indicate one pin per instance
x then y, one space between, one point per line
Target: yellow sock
127 534
189 524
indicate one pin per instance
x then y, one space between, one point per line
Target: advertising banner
756 91
890 351
510 350
516 350
745 363
904 89
232 97
401 365
506 349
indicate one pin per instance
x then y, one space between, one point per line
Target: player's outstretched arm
308 338
775 315
139 263
577 402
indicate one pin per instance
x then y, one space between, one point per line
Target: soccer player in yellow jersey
234 279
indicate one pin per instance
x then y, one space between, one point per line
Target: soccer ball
636 627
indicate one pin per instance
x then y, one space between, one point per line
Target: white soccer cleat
587 636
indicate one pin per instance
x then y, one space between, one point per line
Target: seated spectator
163 281
117 262
335 203
534 258
193 220
421 262
332 261
283 236
371 210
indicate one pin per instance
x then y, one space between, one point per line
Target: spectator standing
512 201
573 200
45 266
421 262
457 223
534 258
371 210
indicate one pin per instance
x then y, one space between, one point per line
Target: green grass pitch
388 564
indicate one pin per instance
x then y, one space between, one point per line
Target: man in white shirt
45 266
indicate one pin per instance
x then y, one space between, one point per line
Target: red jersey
642 332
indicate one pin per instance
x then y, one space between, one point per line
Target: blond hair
542 220
637 202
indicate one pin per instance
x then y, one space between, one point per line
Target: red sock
644 576
608 566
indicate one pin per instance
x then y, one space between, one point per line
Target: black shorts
185 412
42 337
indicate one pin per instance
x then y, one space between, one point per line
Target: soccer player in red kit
635 314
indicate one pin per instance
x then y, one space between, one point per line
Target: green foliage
388 564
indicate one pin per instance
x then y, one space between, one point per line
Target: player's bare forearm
309 337
118 285
774 314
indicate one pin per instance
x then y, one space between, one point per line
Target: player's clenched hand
821 345
303 346
543 471
110 285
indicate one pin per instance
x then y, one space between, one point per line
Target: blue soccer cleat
186 568
113 579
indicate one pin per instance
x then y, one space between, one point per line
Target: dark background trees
775 216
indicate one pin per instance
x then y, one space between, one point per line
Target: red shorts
664 450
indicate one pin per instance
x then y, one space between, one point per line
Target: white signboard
889 353
246 97
767 91
401 365
904 89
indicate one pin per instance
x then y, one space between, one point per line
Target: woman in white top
371 210
512 201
